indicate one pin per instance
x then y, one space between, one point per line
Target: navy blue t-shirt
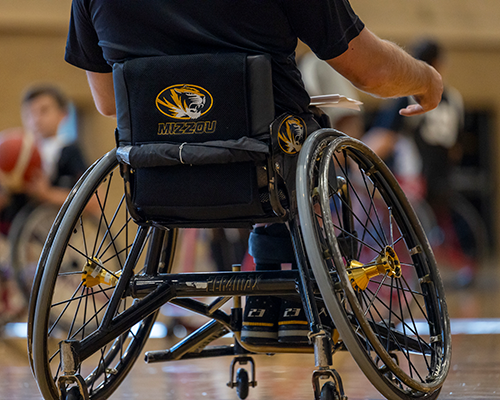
103 32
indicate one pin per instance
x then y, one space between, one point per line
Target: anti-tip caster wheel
240 380
242 383
329 392
73 394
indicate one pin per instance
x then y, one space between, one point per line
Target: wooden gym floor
475 372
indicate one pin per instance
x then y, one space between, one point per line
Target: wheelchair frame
311 281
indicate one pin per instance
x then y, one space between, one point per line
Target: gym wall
33 35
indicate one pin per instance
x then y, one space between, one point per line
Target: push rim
363 316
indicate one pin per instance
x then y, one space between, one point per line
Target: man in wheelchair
211 114
101 36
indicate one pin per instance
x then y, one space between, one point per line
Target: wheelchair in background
21 243
26 238
360 250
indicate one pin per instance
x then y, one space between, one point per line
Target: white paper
335 100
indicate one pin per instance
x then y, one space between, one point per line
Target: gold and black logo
184 102
291 134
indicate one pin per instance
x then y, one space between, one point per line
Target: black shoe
260 320
293 326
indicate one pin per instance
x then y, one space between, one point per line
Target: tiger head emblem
291 134
186 102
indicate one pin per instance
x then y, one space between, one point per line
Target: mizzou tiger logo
185 102
291 134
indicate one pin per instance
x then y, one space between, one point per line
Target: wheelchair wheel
374 267
27 236
92 247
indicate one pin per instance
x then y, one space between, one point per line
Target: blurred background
33 35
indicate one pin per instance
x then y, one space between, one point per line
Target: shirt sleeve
326 26
82 46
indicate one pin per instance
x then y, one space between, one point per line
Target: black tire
73 394
329 392
242 383
354 218
96 232
27 236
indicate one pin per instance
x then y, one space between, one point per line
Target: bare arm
383 69
101 86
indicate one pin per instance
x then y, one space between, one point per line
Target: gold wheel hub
94 274
385 264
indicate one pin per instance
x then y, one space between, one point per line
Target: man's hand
383 69
429 100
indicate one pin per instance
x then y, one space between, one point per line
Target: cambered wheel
374 267
93 249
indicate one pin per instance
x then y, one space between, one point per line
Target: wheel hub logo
184 102
291 134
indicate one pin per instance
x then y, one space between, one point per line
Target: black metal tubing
213 351
154 252
219 284
160 289
197 340
306 283
125 321
203 309
128 270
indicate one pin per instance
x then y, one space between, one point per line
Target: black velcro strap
213 152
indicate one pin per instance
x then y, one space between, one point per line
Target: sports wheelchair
361 252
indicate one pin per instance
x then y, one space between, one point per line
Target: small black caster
329 392
72 394
240 380
242 383
331 389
